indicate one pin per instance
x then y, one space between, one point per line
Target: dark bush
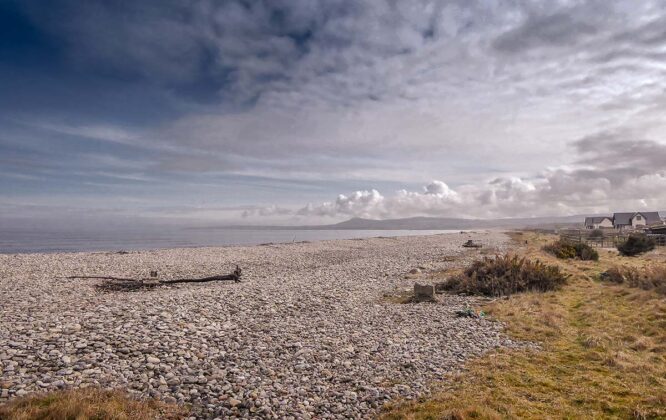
586 252
636 244
597 234
649 278
505 275
613 275
561 249
566 249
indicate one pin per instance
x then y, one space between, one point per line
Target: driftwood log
471 244
235 276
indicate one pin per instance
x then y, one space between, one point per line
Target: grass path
603 352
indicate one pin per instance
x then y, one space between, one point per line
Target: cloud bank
614 171
518 107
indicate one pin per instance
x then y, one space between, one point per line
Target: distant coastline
421 223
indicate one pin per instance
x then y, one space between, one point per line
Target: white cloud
599 183
358 204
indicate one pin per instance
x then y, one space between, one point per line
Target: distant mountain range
446 223
431 223
425 223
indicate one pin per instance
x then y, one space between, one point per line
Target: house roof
589 221
625 218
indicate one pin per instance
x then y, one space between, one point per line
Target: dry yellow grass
603 352
88 403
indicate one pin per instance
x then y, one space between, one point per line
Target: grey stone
424 292
153 360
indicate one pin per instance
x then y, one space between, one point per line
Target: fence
608 239
660 239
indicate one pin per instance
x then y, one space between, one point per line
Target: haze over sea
27 240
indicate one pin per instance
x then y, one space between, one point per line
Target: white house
598 222
633 220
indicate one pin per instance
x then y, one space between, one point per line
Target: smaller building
598 222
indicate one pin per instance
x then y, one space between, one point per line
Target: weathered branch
102 278
235 276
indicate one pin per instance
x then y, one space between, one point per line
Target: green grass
603 353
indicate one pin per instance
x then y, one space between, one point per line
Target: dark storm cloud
647 34
622 150
558 29
202 50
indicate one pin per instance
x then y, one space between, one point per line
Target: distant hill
431 223
411 223
426 223
446 223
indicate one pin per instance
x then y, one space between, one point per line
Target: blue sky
306 111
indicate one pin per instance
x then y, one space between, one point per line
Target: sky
305 111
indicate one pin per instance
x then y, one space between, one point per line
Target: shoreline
329 235
307 331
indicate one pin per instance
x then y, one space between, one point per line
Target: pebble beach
307 333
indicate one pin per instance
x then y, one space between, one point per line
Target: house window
638 217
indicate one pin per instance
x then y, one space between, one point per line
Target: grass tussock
505 275
566 250
602 355
646 278
636 245
88 403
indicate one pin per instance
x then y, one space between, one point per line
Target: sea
23 240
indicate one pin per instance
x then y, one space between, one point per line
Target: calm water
25 240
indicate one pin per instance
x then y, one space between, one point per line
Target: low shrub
566 249
613 275
651 278
597 234
505 275
636 244
586 252
561 249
